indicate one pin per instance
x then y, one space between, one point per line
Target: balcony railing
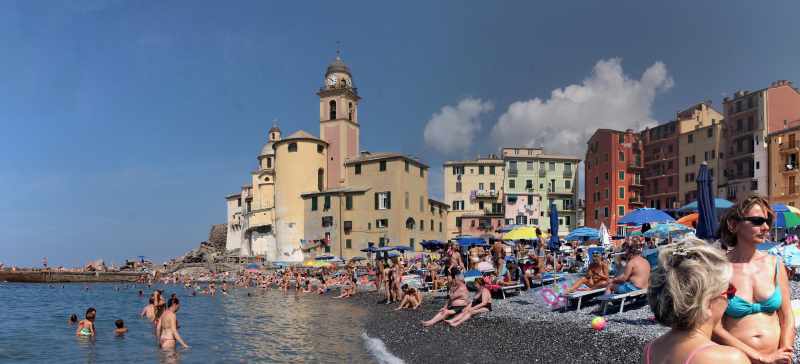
790 168
636 201
567 174
486 193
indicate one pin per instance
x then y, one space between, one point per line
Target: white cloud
563 123
453 129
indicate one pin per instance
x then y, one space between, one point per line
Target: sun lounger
513 288
610 298
547 279
579 295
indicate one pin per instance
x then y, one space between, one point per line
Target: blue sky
125 123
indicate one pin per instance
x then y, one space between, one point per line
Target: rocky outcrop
217 236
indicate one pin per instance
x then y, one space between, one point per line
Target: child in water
86 326
121 329
73 319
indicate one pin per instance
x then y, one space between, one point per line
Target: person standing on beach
167 329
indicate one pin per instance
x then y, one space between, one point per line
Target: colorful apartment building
660 175
474 188
784 165
700 128
613 184
533 181
749 118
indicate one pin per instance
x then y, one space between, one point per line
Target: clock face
332 80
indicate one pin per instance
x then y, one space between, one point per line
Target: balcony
635 166
486 193
635 200
490 212
636 183
790 169
567 174
513 172
559 193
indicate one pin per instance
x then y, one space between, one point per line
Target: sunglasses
757 220
731 291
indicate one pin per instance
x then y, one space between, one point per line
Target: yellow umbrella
316 263
521 233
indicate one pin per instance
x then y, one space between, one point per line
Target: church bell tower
338 119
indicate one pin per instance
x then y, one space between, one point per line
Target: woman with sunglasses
689 293
758 319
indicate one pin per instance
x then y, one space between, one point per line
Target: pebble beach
519 329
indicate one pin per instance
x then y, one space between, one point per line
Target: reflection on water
266 327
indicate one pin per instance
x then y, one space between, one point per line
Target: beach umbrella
786 217
636 233
507 228
402 248
719 203
583 233
707 221
553 243
357 259
667 230
521 233
689 220
645 215
468 241
432 244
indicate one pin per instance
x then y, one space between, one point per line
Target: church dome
338 66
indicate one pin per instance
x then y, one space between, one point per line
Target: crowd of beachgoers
724 300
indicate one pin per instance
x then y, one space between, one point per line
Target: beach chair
579 295
622 297
512 288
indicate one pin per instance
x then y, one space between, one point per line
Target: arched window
350 111
410 223
320 179
332 109
269 162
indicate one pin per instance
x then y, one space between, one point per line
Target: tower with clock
338 119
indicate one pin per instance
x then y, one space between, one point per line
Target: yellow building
273 218
474 188
784 170
700 133
385 202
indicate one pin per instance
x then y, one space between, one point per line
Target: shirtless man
635 277
167 329
498 250
149 311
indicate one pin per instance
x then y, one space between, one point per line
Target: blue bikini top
739 307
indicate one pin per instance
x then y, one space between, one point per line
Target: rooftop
373 157
300 135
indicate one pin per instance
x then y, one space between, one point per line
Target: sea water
268 326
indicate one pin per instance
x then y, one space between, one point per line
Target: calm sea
266 327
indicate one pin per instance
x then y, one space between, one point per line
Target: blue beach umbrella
645 215
432 244
583 233
719 203
707 222
553 244
667 230
468 241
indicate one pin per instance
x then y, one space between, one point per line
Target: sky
125 123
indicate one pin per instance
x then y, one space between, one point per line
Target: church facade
319 195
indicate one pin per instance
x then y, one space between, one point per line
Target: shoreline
497 336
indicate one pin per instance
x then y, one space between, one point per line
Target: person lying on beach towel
689 292
480 304
457 301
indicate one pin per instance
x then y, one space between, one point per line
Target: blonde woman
689 293
758 319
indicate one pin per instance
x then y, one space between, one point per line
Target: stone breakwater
519 329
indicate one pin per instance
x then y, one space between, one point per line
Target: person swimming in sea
86 326
121 329
73 319
149 311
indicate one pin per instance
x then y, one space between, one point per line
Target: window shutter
389 200
376 200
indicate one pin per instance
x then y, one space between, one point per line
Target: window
382 223
406 202
491 169
332 110
621 175
511 183
480 205
406 165
382 166
431 225
595 214
480 186
753 185
421 172
567 184
314 203
357 167
480 169
529 184
327 203
606 193
606 176
596 180
530 199
710 132
458 186
567 220
458 170
491 186
621 192
382 242
552 166
320 179
410 223
320 149
422 225
605 211
292 147
621 138
269 162
350 111
327 221
529 165
621 156
348 202
690 138
383 200
348 244
411 243
440 227
421 204
327 248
